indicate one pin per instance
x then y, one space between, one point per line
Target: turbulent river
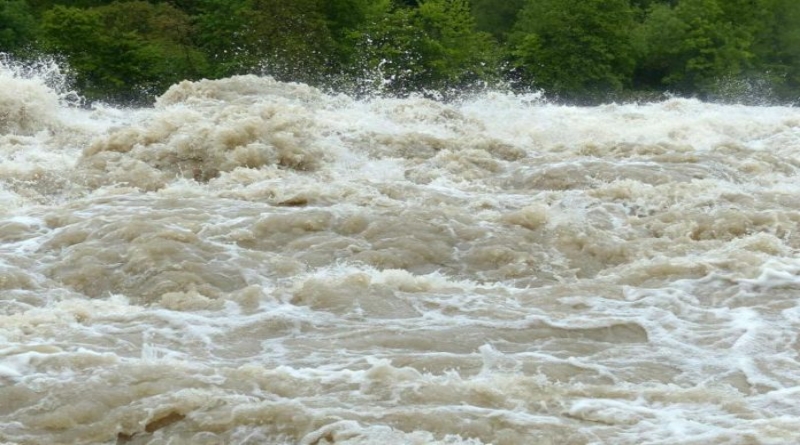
257 262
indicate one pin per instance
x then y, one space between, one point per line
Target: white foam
492 270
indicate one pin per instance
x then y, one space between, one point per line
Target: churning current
257 262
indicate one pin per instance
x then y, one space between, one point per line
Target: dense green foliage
433 46
124 51
574 48
577 50
17 25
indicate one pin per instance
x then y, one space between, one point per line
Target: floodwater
257 262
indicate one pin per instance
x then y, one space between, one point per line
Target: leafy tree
167 37
348 19
576 49
291 38
646 4
692 47
352 24
17 25
76 33
777 47
433 46
496 17
43 5
656 44
221 27
344 15
286 38
713 46
191 7
123 51
460 53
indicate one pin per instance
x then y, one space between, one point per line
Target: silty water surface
255 262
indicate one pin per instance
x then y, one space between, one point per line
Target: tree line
576 51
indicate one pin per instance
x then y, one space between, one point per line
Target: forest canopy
575 51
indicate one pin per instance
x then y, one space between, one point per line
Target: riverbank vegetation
576 51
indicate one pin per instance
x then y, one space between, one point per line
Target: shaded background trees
693 46
123 51
17 25
433 46
576 50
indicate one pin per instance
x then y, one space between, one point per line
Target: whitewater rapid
258 262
